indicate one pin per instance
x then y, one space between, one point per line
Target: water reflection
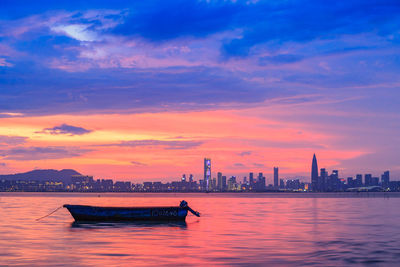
235 229
139 224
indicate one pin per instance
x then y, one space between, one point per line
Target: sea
235 229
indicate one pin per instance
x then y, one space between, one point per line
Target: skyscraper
323 180
219 180
223 183
281 184
385 179
276 177
260 185
207 173
368 179
314 174
359 180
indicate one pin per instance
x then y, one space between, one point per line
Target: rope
49 213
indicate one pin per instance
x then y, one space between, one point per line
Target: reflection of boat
122 224
93 213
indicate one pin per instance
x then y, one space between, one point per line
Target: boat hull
93 213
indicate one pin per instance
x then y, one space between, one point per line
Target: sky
145 90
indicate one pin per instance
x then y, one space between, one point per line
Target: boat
97 214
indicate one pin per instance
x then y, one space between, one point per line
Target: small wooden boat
93 213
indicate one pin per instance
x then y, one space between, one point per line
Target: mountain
42 175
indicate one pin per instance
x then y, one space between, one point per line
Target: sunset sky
146 90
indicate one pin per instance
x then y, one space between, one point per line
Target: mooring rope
49 213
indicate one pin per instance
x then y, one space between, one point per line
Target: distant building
281 184
260 185
375 181
350 182
219 181
276 177
314 174
122 186
322 181
213 184
358 182
232 183
207 173
368 179
385 179
293 184
224 184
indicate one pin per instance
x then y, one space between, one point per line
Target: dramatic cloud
185 55
159 143
66 129
40 153
327 71
12 140
304 21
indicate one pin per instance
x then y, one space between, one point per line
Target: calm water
235 229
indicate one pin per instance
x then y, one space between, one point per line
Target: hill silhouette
42 175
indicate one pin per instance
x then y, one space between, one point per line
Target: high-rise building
260 182
334 183
281 184
358 182
207 173
219 181
191 178
385 179
232 183
322 180
251 179
276 177
368 179
350 182
314 174
184 178
223 183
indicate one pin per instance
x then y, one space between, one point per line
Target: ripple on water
248 230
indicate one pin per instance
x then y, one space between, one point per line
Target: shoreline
214 194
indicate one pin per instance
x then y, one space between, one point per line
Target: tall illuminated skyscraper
314 174
207 173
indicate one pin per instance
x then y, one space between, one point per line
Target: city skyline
72 181
208 177
147 90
